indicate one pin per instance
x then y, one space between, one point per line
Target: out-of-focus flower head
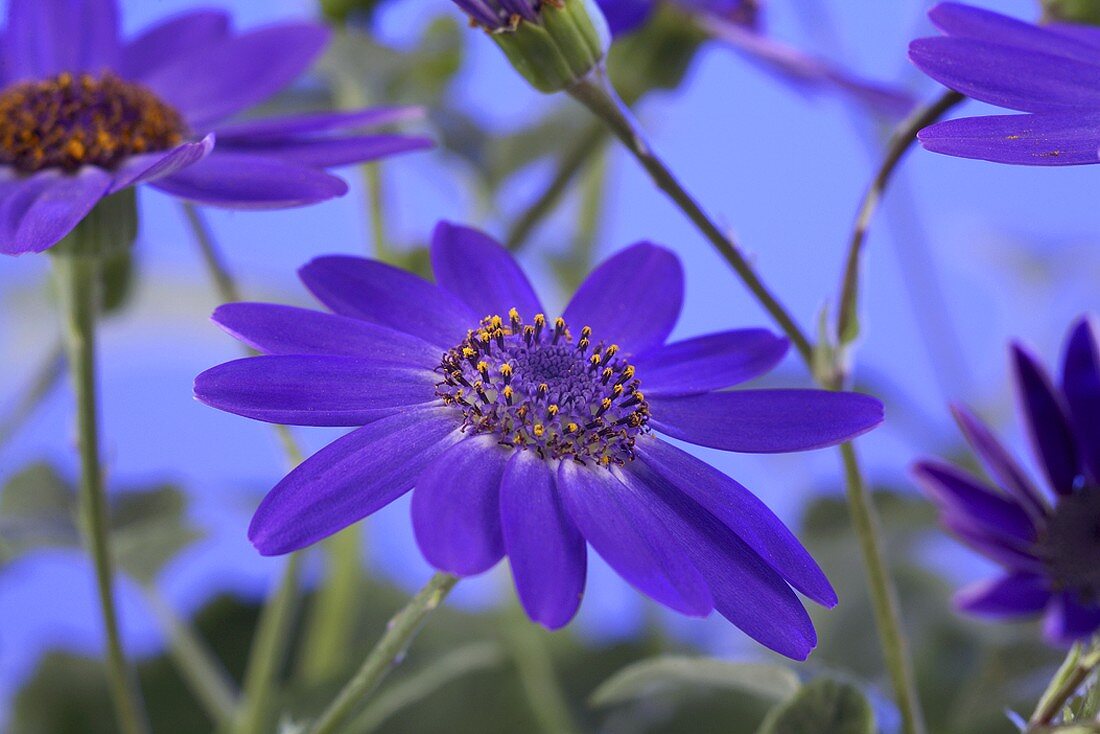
85 114
1050 550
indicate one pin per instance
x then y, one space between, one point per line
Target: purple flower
1051 554
85 114
1052 73
529 436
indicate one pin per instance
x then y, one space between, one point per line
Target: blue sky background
1015 250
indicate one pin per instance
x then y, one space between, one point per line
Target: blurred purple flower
85 114
1050 72
527 436
1051 554
737 23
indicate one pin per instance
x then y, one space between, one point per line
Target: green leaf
150 529
672 674
822 707
36 511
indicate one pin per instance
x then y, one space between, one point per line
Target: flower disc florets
1071 543
536 387
69 121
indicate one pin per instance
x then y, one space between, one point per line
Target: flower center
536 388
1071 546
69 121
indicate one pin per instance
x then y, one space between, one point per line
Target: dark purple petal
746 590
1030 81
1016 595
1081 385
624 16
709 362
966 21
277 329
766 421
163 42
328 152
957 491
1086 34
242 181
1046 421
47 37
1068 620
37 212
998 462
546 551
311 390
623 528
1043 139
472 266
388 296
294 127
151 166
998 547
211 83
742 512
633 299
350 478
456 507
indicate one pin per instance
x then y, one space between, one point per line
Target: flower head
531 436
1050 551
1051 72
85 114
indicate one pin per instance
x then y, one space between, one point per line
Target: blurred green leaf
673 674
118 276
823 706
36 511
150 530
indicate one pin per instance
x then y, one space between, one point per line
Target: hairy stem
1076 669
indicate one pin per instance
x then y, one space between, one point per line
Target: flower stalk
76 264
387 652
1080 663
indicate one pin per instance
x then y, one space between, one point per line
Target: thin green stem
46 377
376 206
387 652
1076 669
78 281
596 93
536 674
224 284
200 669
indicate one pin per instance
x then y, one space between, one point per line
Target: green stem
1076 669
46 377
387 652
335 610
78 281
224 284
200 669
376 205
596 93
536 673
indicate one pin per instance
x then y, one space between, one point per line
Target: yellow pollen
572 428
552 409
540 319
538 430
506 370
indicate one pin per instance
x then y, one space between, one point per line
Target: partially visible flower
738 24
527 436
1050 553
85 114
1051 72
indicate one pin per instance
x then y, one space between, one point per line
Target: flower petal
151 166
277 329
1019 79
1081 385
709 362
292 127
998 547
456 507
766 421
998 462
967 21
329 152
1043 139
310 390
211 83
1015 595
241 181
624 16
547 553
625 531
472 266
37 212
388 296
633 299
1046 421
1068 620
742 512
350 478
957 491
163 42
47 37
746 590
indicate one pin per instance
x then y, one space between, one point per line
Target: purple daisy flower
1051 553
85 114
530 437
1052 73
